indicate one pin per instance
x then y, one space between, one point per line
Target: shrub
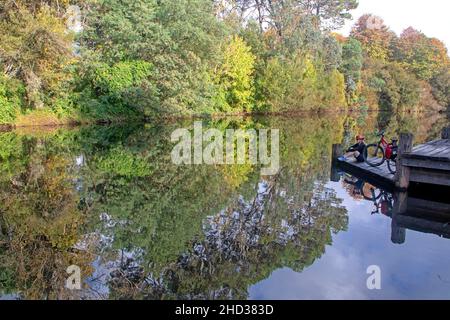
11 99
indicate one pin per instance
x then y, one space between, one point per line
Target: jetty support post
398 234
403 172
336 153
446 133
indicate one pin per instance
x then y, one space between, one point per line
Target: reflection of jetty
423 209
422 215
428 163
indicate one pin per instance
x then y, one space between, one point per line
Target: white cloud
430 17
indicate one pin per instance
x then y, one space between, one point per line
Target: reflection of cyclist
358 185
356 151
358 189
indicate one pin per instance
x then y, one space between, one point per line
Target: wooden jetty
428 163
417 205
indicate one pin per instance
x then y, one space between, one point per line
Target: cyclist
356 151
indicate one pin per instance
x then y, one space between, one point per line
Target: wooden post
337 152
398 234
403 172
446 133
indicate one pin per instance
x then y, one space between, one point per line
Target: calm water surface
110 201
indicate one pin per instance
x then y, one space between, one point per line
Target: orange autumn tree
374 35
423 56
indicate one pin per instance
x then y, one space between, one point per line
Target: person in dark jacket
356 151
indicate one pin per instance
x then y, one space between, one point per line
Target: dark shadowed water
110 200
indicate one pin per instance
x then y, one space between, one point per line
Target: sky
431 16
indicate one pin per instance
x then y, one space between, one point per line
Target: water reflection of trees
284 221
109 200
241 245
39 221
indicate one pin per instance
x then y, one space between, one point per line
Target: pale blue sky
432 17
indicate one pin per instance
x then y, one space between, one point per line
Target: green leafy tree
234 77
352 56
397 89
441 87
35 48
179 38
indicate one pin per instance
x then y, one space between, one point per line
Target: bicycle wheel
392 166
374 155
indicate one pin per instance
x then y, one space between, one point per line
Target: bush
121 77
122 89
11 99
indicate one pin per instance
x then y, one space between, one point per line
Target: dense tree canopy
152 58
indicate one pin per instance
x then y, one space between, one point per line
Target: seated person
356 151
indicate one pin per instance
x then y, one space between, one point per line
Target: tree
35 47
331 53
441 87
179 38
331 13
374 36
352 57
234 76
397 89
423 56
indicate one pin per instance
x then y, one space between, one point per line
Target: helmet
360 137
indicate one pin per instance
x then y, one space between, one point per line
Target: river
109 202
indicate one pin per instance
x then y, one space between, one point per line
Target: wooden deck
429 163
377 176
438 150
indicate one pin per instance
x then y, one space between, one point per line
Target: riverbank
48 119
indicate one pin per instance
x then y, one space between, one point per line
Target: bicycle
378 153
383 203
